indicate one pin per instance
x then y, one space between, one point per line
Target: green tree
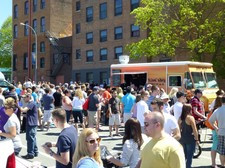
6 43
194 27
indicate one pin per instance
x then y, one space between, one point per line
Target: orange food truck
185 75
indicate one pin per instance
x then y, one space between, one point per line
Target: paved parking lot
114 145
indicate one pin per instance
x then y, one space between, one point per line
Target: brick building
52 22
102 29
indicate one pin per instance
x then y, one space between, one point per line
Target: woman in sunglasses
87 153
12 126
132 142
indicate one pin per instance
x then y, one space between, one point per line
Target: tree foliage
196 27
6 43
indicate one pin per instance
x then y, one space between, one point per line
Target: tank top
187 135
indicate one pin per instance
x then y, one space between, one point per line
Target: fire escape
57 53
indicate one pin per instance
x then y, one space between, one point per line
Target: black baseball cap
180 94
198 91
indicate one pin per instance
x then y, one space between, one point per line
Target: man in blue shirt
128 101
31 127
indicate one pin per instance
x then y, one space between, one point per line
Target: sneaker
28 156
36 155
118 135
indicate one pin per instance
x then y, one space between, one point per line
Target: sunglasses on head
92 141
6 107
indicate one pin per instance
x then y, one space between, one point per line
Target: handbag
208 125
86 104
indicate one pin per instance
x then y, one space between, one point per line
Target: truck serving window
198 80
175 81
211 80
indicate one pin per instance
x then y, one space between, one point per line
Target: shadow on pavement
52 134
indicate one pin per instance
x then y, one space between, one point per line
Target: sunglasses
146 124
92 141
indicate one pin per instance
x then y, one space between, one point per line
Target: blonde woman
120 93
12 126
172 96
77 107
87 153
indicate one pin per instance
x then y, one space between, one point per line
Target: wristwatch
51 153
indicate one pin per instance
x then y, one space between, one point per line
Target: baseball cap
164 96
198 91
180 94
96 88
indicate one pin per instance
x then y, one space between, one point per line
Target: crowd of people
170 120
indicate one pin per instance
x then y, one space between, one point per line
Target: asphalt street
114 145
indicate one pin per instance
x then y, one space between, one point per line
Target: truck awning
128 73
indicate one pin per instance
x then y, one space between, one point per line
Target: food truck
185 75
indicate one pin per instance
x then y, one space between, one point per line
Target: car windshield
211 80
198 80
4 84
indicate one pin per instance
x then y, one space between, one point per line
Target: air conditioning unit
124 59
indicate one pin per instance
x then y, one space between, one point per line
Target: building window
25 61
77 77
33 47
15 12
89 14
134 4
35 25
14 62
43 4
78 54
77 5
103 77
103 35
118 7
89 38
89 56
26 8
135 31
42 62
118 32
103 54
42 46
43 24
15 31
26 29
35 3
77 28
103 11
89 77
118 51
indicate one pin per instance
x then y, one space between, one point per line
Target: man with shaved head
162 150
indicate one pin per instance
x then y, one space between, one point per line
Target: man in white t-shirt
142 109
170 126
177 107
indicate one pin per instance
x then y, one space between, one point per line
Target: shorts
126 116
92 117
215 140
77 114
47 116
221 145
114 119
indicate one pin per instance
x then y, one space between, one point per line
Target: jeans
189 150
31 132
68 113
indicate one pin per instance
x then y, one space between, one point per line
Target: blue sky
5 10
